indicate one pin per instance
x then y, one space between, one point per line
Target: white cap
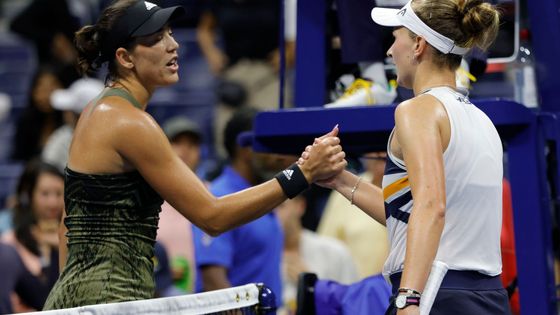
77 96
407 18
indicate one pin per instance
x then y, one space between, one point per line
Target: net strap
200 303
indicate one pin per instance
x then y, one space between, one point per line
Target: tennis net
250 299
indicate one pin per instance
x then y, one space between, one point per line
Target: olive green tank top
117 92
112 223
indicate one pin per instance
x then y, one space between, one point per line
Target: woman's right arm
142 142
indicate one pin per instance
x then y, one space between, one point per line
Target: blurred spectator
251 252
16 279
36 218
245 55
365 237
185 137
174 230
39 119
50 25
85 12
307 251
163 274
71 102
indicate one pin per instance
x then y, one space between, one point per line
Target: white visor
407 18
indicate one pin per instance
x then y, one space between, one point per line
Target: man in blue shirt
252 252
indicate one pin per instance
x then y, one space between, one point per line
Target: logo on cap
149 5
402 12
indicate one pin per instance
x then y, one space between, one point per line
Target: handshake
324 159
320 163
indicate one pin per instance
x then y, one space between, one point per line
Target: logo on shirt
463 100
288 174
149 5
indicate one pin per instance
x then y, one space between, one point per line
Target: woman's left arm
422 129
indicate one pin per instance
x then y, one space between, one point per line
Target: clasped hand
323 159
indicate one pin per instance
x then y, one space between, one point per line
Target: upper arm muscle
418 133
144 144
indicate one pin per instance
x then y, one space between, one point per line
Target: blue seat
18 62
7 131
16 53
15 83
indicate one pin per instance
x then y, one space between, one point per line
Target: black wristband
292 181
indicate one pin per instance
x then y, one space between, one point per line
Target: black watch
404 300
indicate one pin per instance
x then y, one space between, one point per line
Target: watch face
400 301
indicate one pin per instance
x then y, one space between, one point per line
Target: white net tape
201 303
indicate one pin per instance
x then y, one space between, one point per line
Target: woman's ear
420 45
123 57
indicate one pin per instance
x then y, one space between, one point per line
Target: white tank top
473 182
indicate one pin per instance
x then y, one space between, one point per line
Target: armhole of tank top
398 162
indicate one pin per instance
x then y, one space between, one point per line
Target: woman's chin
170 80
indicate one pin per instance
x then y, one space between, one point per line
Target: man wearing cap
174 230
251 252
185 138
71 101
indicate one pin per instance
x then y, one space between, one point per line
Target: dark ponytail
89 40
87 43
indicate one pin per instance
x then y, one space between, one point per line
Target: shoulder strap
116 92
121 93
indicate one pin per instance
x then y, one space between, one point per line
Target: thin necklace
436 86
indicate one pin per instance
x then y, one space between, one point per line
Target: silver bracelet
354 190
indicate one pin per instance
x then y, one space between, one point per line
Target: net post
267 301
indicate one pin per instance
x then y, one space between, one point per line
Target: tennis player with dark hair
442 189
121 166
